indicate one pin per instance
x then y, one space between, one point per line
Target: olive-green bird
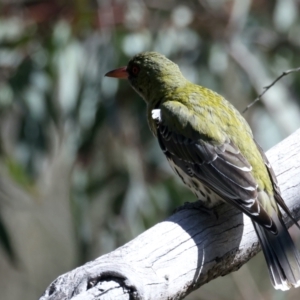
211 148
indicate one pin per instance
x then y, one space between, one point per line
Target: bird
211 147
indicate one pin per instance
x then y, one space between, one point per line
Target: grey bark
180 254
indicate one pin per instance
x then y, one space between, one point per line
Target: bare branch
279 102
182 253
266 88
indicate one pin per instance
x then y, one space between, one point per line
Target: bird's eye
135 70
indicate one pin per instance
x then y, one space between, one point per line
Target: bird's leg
198 205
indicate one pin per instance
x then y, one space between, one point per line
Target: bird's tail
282 257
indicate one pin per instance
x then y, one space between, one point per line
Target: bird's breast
202 192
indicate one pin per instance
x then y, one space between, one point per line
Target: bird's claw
198 205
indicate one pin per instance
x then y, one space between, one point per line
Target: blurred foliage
53 56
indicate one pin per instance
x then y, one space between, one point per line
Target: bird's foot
198 205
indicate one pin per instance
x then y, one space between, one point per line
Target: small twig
266 88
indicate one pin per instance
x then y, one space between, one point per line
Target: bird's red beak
120 73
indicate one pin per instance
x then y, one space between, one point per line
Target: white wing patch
156 115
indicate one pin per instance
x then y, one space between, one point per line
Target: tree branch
182 253
279 102
267 87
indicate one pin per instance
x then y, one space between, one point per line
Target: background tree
80 172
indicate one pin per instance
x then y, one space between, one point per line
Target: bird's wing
276 188
221 167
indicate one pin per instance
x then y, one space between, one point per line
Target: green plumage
194 110
199 113
211 148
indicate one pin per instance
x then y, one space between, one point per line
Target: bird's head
150 74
